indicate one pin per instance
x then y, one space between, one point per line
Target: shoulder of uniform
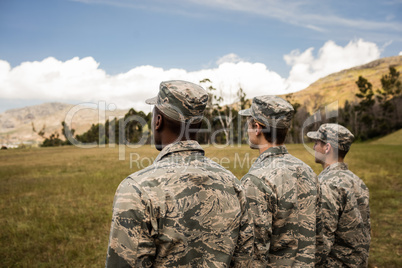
301 164
339 181
290 166
249 177
336 175
220 168
260 183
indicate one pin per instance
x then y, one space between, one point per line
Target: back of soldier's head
337 135
182 129
274 114
182 105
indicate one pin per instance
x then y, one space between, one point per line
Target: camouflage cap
334 134
270 111
181 100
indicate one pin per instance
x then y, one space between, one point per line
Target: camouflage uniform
345 206
284 196
182 211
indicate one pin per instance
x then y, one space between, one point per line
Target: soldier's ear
158 122
327 148
258 129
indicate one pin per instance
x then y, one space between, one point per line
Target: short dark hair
273 135
172 124
341 153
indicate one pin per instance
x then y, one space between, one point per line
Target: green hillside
391 139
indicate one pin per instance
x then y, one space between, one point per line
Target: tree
133 128
67 133
53 140
241 96
295 128
241 136
346 115
122 131
218 114
366 94
41 132
91 135
365 108
391 87
378 113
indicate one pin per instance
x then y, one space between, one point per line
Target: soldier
345 200
184 210
282 191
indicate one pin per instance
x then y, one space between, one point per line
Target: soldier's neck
266 145
331 160
173 138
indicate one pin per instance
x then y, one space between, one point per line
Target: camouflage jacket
284 197
182 211
346 218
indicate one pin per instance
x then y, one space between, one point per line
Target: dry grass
56 202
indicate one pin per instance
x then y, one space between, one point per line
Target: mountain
341 86
16 125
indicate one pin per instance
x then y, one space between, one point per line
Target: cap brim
246 112
152 101
313 135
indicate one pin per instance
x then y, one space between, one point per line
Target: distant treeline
130 129
377 113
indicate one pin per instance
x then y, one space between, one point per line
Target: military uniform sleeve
331 208
243 254
131 243
343 225
258 195
319 226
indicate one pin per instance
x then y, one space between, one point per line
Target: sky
118 51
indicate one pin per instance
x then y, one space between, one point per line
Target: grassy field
56 203
391 139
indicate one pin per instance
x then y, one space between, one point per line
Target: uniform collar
189 145
336 166
271 152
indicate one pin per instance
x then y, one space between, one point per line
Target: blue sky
127 47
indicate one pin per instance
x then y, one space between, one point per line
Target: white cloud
400 53
331 58
82 80
231 58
